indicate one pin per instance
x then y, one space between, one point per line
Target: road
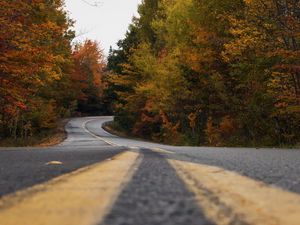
94 177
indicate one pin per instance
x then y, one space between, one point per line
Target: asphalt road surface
160 184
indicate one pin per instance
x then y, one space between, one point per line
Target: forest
210 72
188 72
43 75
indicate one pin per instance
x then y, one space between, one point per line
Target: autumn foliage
202 72
37 64
210 72
87 77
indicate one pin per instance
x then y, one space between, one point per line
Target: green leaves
210 72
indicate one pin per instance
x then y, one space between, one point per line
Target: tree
34 53
88 77
210 72
267 37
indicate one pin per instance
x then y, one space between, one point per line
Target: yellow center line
229 198
95 136
160 150
82 197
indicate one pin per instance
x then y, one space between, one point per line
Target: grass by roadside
44 139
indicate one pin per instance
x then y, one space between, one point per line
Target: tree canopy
39 68
210 72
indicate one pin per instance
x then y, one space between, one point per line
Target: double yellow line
85 196
82 197
229 198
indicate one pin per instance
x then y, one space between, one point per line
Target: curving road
280 167
161 185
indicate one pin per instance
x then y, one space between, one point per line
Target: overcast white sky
106 23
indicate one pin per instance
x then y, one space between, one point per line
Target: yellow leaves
48 116
158 77
48 74
59 59
248 2
202 37
247 38
254 32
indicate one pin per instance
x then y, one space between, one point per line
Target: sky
106 23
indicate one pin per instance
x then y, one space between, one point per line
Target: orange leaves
237 61
27 48
87 76
34 54
89 65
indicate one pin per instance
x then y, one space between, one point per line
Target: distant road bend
96 178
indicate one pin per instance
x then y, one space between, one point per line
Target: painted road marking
83 197
95 136
160 150
54 163
229 198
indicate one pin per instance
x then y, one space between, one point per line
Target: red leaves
34 53
88 70
21 105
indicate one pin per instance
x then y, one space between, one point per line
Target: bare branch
94 4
